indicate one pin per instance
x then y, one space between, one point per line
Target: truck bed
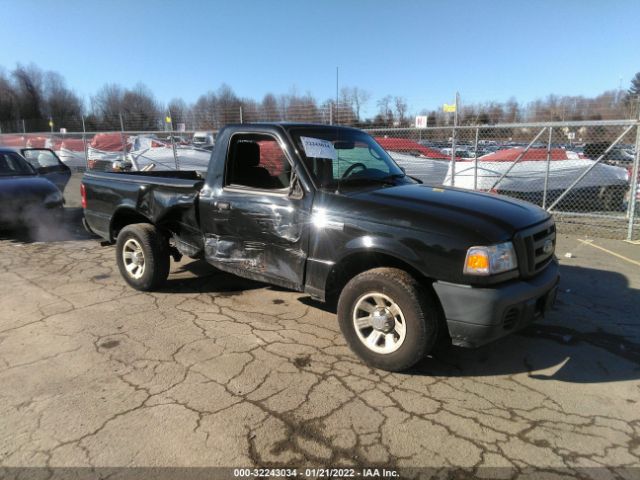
173 178
167 199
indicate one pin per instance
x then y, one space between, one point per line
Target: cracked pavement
218 371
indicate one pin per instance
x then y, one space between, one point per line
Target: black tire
422 317
155 253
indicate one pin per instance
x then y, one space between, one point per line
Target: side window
11 164
41 158
257 161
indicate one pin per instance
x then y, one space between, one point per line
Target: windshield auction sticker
318 148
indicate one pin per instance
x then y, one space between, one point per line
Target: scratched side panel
260 237
174 209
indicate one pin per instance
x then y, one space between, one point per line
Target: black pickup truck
325 210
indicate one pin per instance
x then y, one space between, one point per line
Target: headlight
53 197
490 260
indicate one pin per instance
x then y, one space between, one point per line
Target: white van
203 139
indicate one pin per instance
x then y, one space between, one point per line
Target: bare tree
384 110
28 87
227 106
302 108
140 108
60 103
251 111
8 100
106 105
512 111
179 111
401 109
634 89
355 98
360 99
204 111
269 108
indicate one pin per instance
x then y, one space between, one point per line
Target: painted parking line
591 244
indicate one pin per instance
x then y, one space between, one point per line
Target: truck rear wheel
388 318
142 254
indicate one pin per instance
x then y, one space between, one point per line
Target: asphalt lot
218 371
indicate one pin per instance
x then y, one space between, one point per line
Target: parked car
428 164
203 139
72 152
27 194
115 151
603 188
325 210
47 164
106 148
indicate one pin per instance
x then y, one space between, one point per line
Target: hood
480 217
25 187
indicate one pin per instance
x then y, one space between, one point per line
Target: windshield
339 157
11 165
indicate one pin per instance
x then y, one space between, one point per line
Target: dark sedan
25 196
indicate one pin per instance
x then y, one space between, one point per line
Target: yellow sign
167 119
449 108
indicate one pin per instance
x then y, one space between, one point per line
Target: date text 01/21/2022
315 472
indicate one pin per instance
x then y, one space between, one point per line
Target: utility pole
84 143
453 141
337 77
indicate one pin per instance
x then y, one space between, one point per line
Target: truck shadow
69 228
200 277
592 336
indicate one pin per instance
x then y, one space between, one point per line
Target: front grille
530 247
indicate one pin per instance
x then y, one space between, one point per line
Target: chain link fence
585 173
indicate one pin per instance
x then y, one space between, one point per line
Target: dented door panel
260 236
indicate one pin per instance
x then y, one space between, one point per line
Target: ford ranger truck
325 210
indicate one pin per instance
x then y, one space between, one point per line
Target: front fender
382 245
387 250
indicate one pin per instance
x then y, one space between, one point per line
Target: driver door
48 165
259 220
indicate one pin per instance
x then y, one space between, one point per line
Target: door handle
223 205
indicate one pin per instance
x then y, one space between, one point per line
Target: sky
424 51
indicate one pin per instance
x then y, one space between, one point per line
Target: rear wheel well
124 217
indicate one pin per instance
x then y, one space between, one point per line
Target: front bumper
476 316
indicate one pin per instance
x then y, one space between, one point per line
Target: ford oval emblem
548 246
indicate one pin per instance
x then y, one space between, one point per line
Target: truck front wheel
388 318
142 254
